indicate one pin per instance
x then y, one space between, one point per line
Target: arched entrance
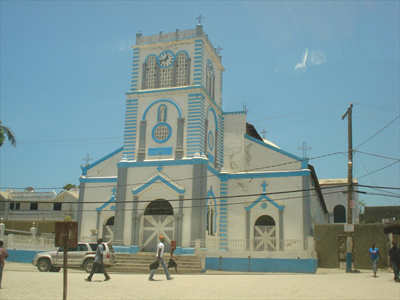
265 234
339 214
108 231
158 219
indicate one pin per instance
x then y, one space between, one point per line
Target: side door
79 254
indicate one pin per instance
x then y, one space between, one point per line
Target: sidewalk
24 281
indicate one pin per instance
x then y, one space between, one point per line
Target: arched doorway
158 219
108 231
339 214
264 234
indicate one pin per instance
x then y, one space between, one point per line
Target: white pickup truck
79 257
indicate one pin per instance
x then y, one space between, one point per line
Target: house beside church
191 171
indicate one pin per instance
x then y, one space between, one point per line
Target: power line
378 132
191 178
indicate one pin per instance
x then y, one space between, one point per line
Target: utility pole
350 203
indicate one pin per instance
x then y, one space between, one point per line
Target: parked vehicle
80 257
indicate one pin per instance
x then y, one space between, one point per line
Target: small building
335 193
19 210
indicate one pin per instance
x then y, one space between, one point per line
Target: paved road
23 281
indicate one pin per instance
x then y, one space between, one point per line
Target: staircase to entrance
140 262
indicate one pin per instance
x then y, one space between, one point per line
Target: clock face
166 59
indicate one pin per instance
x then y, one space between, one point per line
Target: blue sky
66 65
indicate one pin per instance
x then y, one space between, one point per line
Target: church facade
189 170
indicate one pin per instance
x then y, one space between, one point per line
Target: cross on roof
219 49
304 148
87 159
263 133
199 18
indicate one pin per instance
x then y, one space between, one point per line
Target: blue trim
268 175
160 101
111 200
99 180
145 60
155 128
145 164
85 169
160 151
264 197
302 160
155 179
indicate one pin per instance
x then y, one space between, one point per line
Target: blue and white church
189 170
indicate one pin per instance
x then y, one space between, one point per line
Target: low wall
21 256
266 265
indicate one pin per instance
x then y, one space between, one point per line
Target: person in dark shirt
394 254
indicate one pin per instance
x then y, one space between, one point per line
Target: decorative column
179 139
142 141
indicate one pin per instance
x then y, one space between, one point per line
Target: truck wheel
44 265
88 265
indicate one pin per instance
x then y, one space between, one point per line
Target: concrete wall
326 237
262 265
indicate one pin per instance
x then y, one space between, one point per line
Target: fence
45 241
256 244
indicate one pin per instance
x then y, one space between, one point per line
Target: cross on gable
304 148
264 185
219 49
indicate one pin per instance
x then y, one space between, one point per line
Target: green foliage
361 203
5 131
67 219
69 186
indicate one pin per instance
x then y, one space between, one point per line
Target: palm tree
7 131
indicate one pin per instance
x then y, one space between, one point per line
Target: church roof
252 131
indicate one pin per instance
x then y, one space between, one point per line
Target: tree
4 130
69 186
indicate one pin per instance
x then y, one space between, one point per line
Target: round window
161 132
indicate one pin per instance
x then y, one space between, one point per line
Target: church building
189 170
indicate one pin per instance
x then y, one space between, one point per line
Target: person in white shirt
159 257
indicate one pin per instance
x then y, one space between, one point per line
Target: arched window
110 221
339 214
151 72
159 207
181 69
265 221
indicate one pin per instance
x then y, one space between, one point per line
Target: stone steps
140 262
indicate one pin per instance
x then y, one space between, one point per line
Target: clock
166 59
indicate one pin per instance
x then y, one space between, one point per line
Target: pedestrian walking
373 253
3 256
172 261
394 254
159 257
98 262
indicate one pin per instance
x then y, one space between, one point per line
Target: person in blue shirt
373 253
98 262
